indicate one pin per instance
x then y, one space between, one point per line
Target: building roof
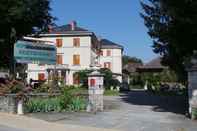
68 29
153 65
107 44
132 67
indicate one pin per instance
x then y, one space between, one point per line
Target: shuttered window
59 42
59 59
41 76
76 42
76 59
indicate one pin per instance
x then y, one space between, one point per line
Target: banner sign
34 53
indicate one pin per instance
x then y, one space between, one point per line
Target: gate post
95 91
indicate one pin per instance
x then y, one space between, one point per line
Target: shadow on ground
174 104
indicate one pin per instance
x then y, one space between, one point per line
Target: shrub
43 105
77 104
66 101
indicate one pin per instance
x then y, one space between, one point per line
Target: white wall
67 51
115 59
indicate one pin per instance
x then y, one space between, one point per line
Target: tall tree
172 25
19 18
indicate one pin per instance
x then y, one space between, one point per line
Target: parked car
124 87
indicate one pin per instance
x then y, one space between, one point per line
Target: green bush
66 101
43 105
77 104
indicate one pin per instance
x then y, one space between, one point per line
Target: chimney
73 25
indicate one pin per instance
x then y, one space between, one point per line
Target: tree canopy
19 18
128 59
172 24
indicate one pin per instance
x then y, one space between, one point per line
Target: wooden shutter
76 59
76 42
59 42
41 76
59 59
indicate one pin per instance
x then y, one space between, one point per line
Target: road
134 111
6 128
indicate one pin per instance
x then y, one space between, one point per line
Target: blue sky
116 20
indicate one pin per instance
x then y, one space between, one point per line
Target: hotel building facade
77 49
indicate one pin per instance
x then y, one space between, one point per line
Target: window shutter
76 42
59 42
59 59
41 76
76 59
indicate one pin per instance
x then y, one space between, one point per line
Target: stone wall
8 104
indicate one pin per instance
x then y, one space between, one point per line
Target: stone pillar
192 87
95 90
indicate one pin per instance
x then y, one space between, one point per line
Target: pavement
134 111
9 122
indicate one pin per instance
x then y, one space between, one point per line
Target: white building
77 49
111 57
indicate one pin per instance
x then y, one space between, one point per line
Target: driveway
134 111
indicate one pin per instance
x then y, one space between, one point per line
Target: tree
129 59
19 18
172 25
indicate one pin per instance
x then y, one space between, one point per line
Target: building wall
87 58
115 59
67 51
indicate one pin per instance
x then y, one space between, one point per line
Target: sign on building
34 53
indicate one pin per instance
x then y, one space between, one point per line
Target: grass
111 93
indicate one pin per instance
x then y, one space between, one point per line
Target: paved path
10 122
135 111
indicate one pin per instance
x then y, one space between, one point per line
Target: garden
52 97
43 98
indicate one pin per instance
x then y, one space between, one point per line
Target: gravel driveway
134 111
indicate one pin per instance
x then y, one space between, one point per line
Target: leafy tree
172 25
109 80
108 77
19 18
129 59
83 76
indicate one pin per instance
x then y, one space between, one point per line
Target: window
76 42
59 42
59 59
41 76
107 65
76 59
108 52
76 80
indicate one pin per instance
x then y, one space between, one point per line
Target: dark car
124 87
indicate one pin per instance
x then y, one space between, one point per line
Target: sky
116 20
